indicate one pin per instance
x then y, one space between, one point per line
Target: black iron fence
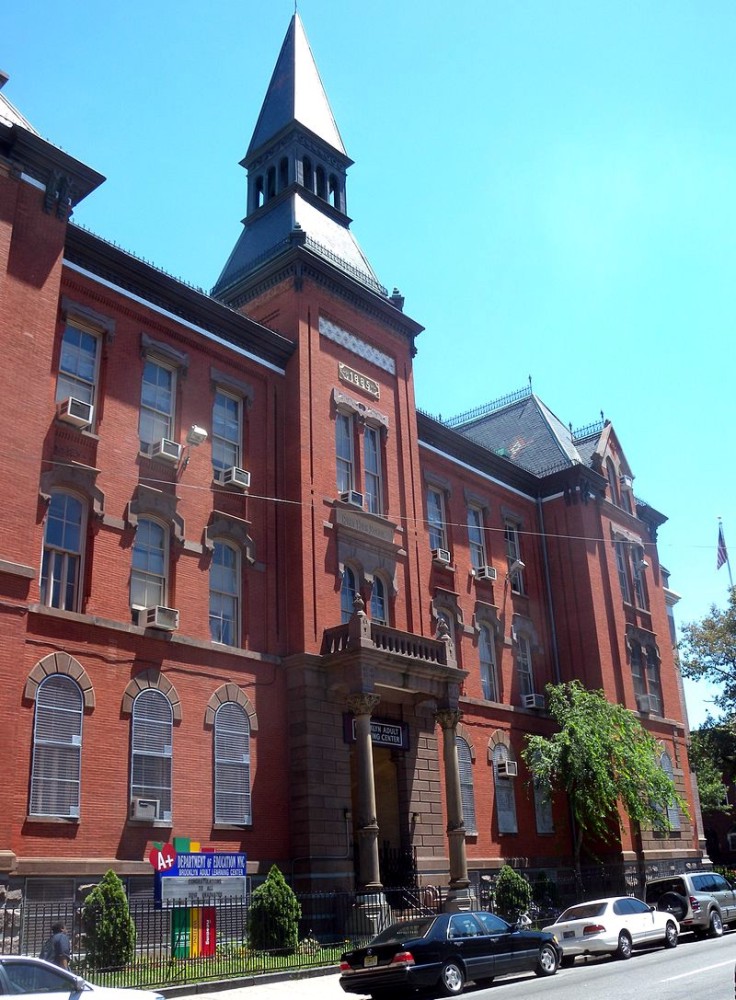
170 947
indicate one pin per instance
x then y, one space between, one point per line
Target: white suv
702 901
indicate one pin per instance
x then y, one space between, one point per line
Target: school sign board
191 883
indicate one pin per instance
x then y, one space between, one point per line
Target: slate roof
528 433
9 115
295 93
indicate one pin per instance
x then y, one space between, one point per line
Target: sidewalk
320 985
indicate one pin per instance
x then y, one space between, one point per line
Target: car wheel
567 961
715 924
547 961
452 979
624 945
670 935
674 903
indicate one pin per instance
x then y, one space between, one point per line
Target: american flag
722 556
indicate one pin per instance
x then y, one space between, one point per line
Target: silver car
702 901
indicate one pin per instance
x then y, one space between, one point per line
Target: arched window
524 670
542 804
487 654
57 748
673 813
504 793
347 594
372 470
62 553
258 192
308 176
467 794
321 184
334 191
612 483
152 727
232 765
270 183
379 604
283 173
225 594
148 578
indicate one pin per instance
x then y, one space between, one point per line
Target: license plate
370 960
568 934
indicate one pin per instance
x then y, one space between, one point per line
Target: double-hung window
345 452
524 666
57 748
78 365
513 556
654 684
348 593
232 765
504 794
62 552
158 394
488 677
673 812
467 793
224 594
436 519
227 431
379 605
476 538
152 729
148 579
623 570
372 469
637 572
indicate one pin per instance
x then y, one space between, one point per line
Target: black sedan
444 952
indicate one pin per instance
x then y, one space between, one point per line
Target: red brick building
249 595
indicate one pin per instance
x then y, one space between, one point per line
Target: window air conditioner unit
533 701
141 808
233 477
627 482
166 619
75 412
645 703
507 769
485 573
441 556
352 497
166 451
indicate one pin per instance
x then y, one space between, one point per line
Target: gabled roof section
296 94
9 114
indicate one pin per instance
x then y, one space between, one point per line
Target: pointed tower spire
297 167
296 94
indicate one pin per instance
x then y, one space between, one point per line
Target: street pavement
323 986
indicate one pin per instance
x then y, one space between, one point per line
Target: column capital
448 718
363 703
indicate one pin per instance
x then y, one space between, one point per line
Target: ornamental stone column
458 897
362 706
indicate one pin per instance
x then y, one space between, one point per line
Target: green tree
513 894
708 652
108 927
601 756
712 755
273 917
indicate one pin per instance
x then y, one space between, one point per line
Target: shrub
513 893
108 927
273 917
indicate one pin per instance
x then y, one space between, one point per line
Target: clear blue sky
552 186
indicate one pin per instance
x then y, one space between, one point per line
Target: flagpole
723 553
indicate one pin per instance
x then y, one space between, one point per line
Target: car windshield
406 931
583 911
